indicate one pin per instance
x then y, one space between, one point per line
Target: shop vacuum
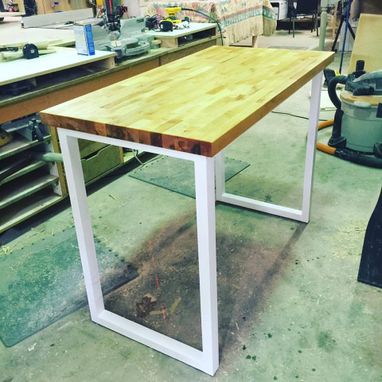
357 124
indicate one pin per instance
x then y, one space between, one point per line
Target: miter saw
125 37
127 41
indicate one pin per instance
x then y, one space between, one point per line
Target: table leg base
261 206
160 342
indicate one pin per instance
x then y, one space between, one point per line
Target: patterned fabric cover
239 19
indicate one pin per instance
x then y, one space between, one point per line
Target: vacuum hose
332 85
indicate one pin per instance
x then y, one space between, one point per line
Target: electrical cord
209 17
293 115
135 153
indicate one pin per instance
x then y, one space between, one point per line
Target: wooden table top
197 104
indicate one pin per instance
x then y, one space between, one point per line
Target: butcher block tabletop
198 104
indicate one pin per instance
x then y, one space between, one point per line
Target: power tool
4 137
172 14
170 22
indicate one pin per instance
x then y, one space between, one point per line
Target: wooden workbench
64 85
68 86
190 109
59 60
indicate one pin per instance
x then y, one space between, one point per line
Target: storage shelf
19 144
25 170
12 193
27 208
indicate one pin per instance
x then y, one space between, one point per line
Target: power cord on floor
293 115
135 153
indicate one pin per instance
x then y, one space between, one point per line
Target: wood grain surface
198 104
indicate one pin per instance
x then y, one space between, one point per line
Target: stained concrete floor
296 311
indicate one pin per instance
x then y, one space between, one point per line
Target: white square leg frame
302 215
206 360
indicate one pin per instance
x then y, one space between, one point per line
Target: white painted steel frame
206 360
206 189
274 209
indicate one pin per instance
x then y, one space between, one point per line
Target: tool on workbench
164 24
357 124
129 42
172 21
27 51
30 51
152 22
32 129
172 14
29 127
112 15
111 12
5 137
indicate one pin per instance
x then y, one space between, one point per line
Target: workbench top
197 104
62 82
60 59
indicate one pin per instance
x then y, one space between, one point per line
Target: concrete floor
295 312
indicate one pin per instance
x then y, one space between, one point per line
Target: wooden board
368 44
63 58
59 17
12 33
198 104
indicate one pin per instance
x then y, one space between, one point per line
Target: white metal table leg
205 214
314 115
206 360
274 209
78 200
219 175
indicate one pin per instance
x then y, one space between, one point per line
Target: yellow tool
4 137
171 14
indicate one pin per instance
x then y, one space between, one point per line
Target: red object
164 312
